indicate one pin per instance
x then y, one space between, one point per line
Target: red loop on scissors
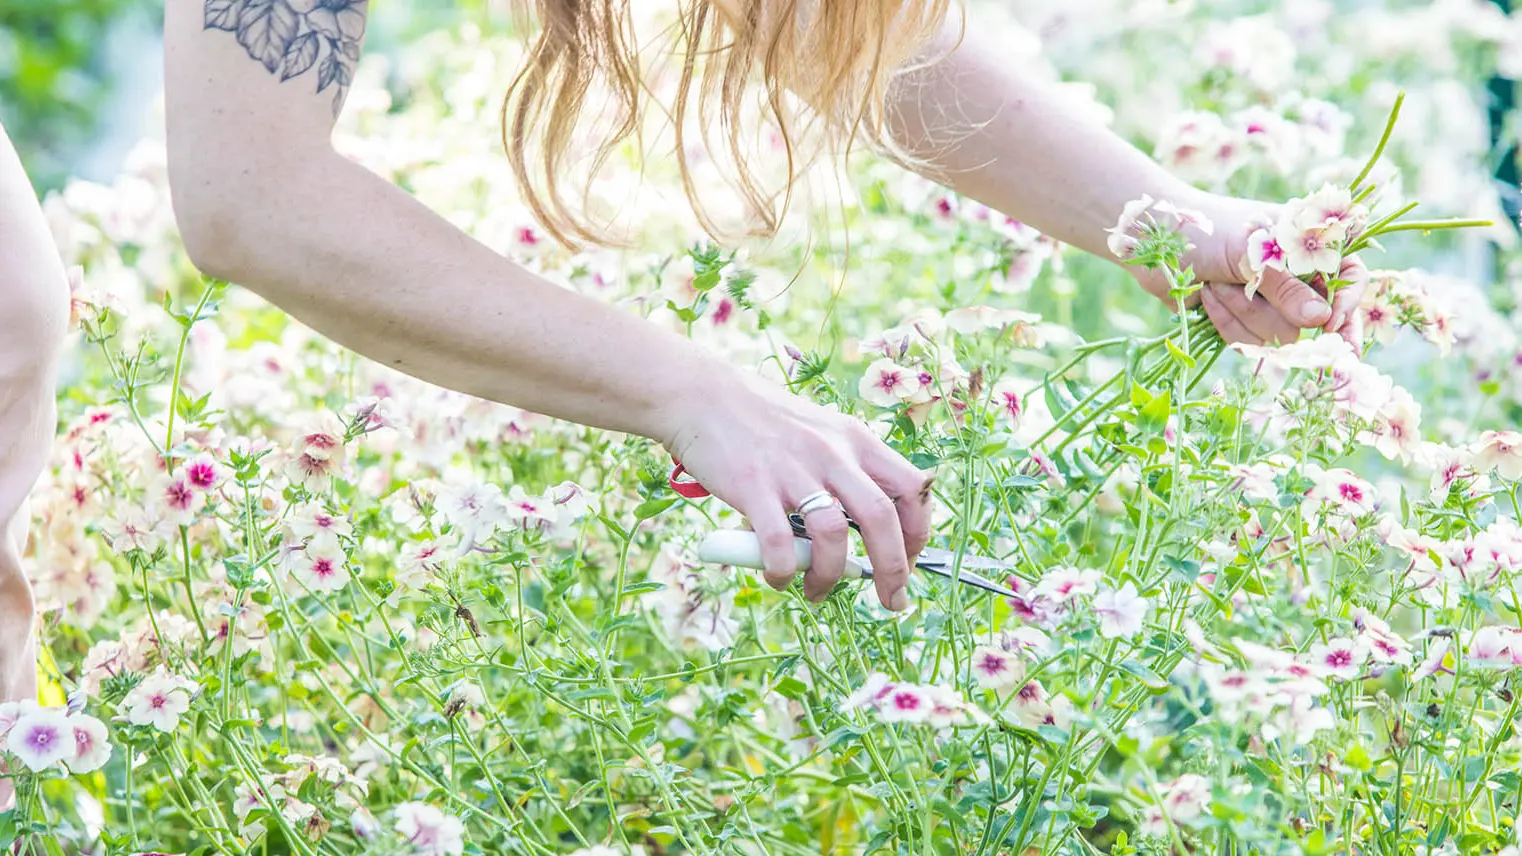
689 489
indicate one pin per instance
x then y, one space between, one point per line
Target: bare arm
33 317
264 201
987 128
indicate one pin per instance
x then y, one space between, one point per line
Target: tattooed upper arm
298 40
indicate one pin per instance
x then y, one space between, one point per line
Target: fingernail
899 601
1315 307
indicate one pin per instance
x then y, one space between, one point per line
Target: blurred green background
77 77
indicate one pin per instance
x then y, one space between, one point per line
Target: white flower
418 562
1309 246
906 703
1500 451
1317 353
1300 720
529 512
176 500
1185 216
1006 397
1064 584
41 738
1495 647
319 527
1439 660
1122 612
159 700
887 384
1121 242
1397 427
996 669
474 510
1352 495
92 749
10 711
322 568
430 831
1339 658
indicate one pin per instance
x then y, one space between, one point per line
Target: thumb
1295 300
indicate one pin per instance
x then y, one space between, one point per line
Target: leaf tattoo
291 37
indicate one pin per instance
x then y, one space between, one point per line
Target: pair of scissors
742 548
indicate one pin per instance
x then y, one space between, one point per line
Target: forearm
362 262
986 128
33 319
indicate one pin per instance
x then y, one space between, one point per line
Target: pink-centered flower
92 749
474 510
203 472
41 738
1397 427
1340 658
176 500
1064 584
1005 398
159 700
995 669
1350 494
1500 451
905 703
322 568
319 527
888 384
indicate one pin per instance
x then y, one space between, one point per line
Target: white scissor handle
742 549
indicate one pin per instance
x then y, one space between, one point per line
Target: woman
263 200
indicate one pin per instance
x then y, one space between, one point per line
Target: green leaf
1152 679
1358 758
1179 356
643 586
792 688
1153 416
1139 396
651 507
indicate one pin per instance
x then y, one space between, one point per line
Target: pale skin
34 311
264 200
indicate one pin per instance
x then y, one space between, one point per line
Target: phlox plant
294 602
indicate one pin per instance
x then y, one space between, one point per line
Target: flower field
1267 597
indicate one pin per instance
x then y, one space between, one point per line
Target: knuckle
877 509
777 543
832 526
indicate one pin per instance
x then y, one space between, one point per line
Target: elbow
209 227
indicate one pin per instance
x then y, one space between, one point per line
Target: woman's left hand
1283 305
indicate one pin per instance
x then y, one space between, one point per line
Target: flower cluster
43 738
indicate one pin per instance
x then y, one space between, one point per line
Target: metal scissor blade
968 578
939 562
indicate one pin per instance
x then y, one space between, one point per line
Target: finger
875 513
909 488
1265 322
1346 301
764 512
1352 331
1226 323
1294 299
828 530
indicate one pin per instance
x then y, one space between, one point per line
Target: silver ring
816 501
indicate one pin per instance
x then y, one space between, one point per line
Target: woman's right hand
763 450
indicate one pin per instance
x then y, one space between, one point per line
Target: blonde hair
838 57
